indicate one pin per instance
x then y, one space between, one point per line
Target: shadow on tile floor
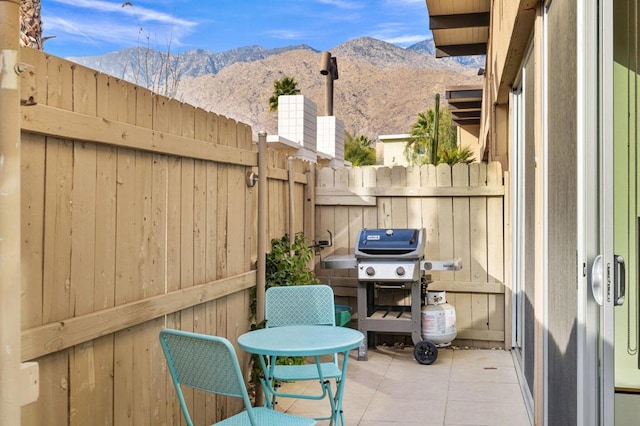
462 387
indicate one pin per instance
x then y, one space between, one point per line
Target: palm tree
30 24
284 86
358 150
418 148
456 155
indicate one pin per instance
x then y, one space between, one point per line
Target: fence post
263 189
292 217
15 389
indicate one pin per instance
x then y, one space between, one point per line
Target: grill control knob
370 271
400 271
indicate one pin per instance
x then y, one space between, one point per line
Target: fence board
82 371
461 219
430 218
325 217
478 225
56 336
83 225
57 231
59 83
414 205
495 240
370 218
45 120
199 265
105 261
32 213
84 90
186 236
356 214
446 247
398 205
127 280
383 179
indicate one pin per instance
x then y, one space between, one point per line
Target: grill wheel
425 352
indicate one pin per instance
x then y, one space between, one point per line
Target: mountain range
380 90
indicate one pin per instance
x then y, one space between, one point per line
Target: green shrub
287 264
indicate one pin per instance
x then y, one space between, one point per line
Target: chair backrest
204 362
299 305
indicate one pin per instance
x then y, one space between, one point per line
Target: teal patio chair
302 305
210 364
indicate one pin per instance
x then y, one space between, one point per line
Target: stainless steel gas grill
391 260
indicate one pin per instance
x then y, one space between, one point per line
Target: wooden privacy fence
462 210
136 215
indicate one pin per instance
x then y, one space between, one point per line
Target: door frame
595 210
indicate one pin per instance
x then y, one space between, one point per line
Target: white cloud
142 13
407 2
99 22
405 39
343 4
285 34
94 33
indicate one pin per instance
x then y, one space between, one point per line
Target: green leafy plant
287 264
419 149
359 150
284 86
456 155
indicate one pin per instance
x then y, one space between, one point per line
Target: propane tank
438 319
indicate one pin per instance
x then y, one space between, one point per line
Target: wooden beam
492 335
51 121
403 191
59 335
462 95
282 174
464 287
345 200
462 115
520 37
461 50
467 122
460 20
464 105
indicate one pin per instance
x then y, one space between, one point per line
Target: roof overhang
465 104
460 27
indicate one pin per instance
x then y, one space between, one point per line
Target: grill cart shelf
391 259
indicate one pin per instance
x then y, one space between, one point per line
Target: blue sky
95 27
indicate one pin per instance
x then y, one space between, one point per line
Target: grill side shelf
339 262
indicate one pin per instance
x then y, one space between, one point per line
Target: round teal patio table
303 341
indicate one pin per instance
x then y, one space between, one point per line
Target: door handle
597 280
619 280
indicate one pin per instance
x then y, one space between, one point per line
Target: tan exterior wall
394 154
509 34
468 137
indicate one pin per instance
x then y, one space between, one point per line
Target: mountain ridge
380 90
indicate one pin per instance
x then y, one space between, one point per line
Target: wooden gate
136 215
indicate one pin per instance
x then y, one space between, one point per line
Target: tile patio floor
462 387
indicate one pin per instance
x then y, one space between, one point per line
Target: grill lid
390 243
